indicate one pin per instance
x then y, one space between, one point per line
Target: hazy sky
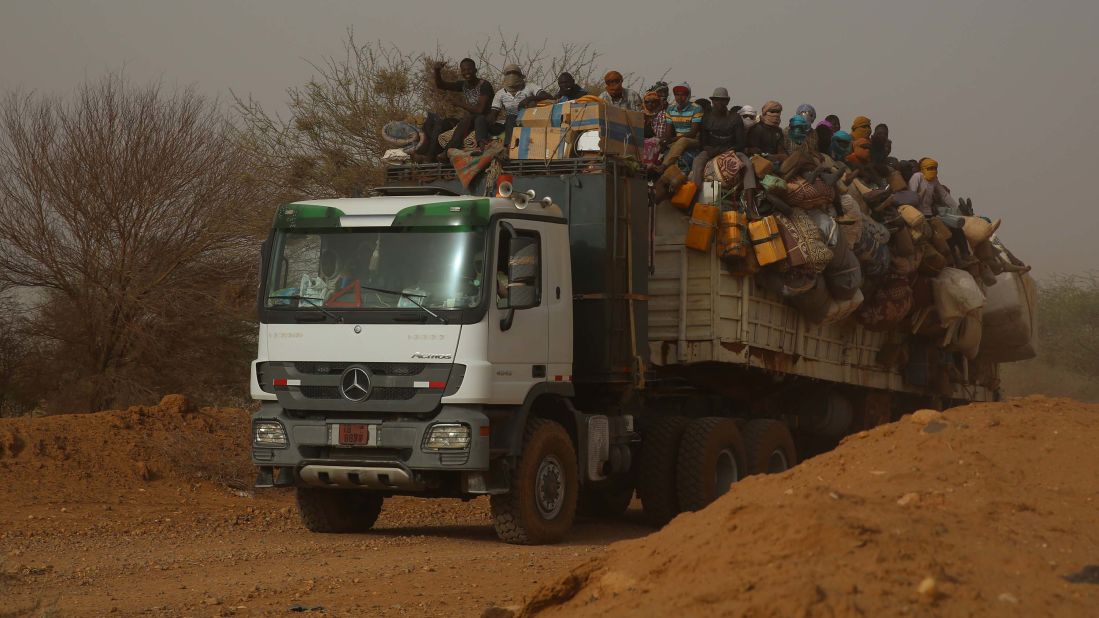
1001 92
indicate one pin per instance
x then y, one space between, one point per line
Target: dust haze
1000 92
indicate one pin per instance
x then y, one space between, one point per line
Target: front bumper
395 460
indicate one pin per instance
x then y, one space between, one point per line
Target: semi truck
550 343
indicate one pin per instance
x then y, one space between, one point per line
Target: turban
860 152
929 168
841 145
860 127
772 113
808 111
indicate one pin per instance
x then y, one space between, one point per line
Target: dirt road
984 510
175 550
135 513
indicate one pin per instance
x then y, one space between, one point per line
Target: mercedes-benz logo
355 384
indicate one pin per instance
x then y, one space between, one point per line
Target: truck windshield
376 268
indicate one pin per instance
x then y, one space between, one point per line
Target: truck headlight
269 434
447 437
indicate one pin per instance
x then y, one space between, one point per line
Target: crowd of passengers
682 132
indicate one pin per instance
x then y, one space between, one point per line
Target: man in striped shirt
685 119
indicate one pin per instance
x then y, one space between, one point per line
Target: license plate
355 434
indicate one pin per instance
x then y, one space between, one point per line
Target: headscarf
860 127
828 123
799 129
749 115
929 168
808 111
860 152
652 96
615 90
682 86
513 79
772 114
841 145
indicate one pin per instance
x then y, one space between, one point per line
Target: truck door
519 330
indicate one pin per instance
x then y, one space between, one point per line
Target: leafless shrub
131 214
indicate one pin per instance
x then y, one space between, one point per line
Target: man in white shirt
515 95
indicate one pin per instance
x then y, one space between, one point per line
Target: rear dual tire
769 446
711 459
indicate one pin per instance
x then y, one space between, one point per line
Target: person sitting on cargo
514 95
934 197
476 102
618 95
661 88
766 138
685 119
656 128
720 131
748 116
825 129
809 113
860 127
567 90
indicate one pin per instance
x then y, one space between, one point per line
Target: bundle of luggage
842 241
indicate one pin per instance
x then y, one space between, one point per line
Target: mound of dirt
987 509
83 455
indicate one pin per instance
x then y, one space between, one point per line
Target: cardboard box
540 143
556 115
550 132
621 132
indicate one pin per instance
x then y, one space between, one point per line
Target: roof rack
411 190
419 172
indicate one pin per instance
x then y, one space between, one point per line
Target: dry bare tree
330 143
130 213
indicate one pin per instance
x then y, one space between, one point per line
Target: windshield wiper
311 301
410 299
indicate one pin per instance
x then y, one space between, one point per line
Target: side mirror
524 271
524 267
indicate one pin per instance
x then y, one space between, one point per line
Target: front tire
338 510
711 459
541 505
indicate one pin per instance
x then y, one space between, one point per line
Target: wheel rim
726 472
777 462
549 487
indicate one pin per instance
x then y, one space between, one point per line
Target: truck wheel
711 459
769 445
338 510
541 504
606 502
656 477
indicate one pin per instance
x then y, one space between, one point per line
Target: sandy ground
985 510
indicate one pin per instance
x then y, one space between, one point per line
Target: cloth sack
805 235
803 194
839 310
852 231
844 277
813 304
957 295
887 306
